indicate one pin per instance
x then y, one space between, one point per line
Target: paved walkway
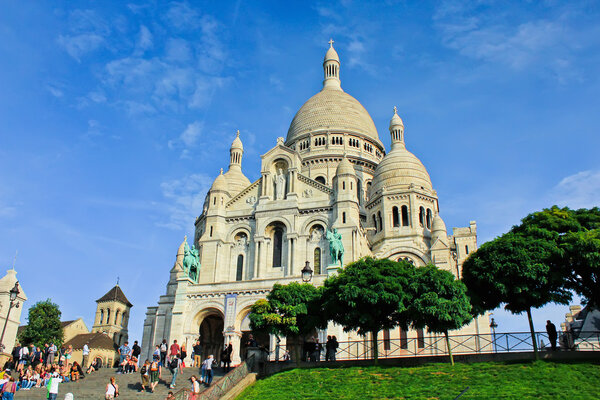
94 386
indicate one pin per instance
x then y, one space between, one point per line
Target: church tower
112 315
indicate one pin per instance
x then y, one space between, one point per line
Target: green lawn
535 380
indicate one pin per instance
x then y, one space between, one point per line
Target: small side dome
220 184
181 250
438 227
345 167
237 142
396 121
331 54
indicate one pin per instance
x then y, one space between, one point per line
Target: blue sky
115 118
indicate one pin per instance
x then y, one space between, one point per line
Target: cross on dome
331 42
395 110
237 133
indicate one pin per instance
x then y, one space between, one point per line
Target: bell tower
112 315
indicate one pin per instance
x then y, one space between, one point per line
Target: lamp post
307 272
14 292
494 325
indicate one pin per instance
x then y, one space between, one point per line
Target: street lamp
13 293
494 325
307 272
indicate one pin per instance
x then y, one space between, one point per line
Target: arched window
467 248
380 220
117 317
317 261
240 268
123 320
343 218
343 185
320 179
211 230
375 222
422 216
395 217
277 247
108 315
428 218
404 216
101 316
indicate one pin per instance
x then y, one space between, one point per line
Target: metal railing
435 345
222 386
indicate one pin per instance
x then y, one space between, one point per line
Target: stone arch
247 229
311 221
269 221
269 163
194 319
397 253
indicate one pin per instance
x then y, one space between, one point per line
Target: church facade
331 172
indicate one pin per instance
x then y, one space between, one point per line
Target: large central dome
333 110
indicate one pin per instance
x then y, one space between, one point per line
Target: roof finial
237 133
15 260
331 42
395 110
117 281
221 171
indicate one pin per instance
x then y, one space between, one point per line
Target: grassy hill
535 380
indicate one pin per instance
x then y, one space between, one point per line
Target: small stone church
331 171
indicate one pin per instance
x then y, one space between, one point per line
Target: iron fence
434 345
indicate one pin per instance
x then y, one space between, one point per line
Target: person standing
174 349
124 351
155 373
183 355
552 335
207 367
163 351
197 354
86 355
226 357
112 389
53 386
175 368
145 375
135 352
51 354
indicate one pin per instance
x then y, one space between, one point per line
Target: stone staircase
94 386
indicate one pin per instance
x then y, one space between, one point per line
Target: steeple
236 151
331 69
397 129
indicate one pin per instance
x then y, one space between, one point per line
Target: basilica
331 172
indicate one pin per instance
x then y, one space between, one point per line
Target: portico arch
210 331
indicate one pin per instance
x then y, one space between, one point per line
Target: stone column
234 338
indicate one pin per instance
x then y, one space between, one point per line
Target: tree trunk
532 330
375 347
449 348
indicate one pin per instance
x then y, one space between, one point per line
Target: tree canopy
43 325
439 302
369 295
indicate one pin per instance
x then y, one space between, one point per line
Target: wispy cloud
580 190
186 198
88 32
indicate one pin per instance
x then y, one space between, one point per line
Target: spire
331 69
236 151
397 129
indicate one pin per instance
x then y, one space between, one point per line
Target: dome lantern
331 69
397 129
236 151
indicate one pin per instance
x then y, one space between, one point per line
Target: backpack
154 366
174 363
143 370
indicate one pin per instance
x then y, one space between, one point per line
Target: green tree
43 325
517 270
289 310
439 303
369 295
577 235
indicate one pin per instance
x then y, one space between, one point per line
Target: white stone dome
331 55
220 183
335 111
400 169
345 167
236 180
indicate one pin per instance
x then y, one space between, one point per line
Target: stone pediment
247 197
440 244
280 151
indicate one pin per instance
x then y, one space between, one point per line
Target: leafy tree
439 303
577 235
289 310
369 295
516 270
43 325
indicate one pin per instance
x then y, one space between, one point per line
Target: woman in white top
195 388
112 389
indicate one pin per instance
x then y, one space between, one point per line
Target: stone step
93 386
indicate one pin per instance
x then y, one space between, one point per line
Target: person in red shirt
174 349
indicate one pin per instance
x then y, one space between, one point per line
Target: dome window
395 217
421 216
404 215
320 179
428 218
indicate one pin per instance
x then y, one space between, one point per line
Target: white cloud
79 45
182 16
191 133
186 198
54 91
145 39
580 190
